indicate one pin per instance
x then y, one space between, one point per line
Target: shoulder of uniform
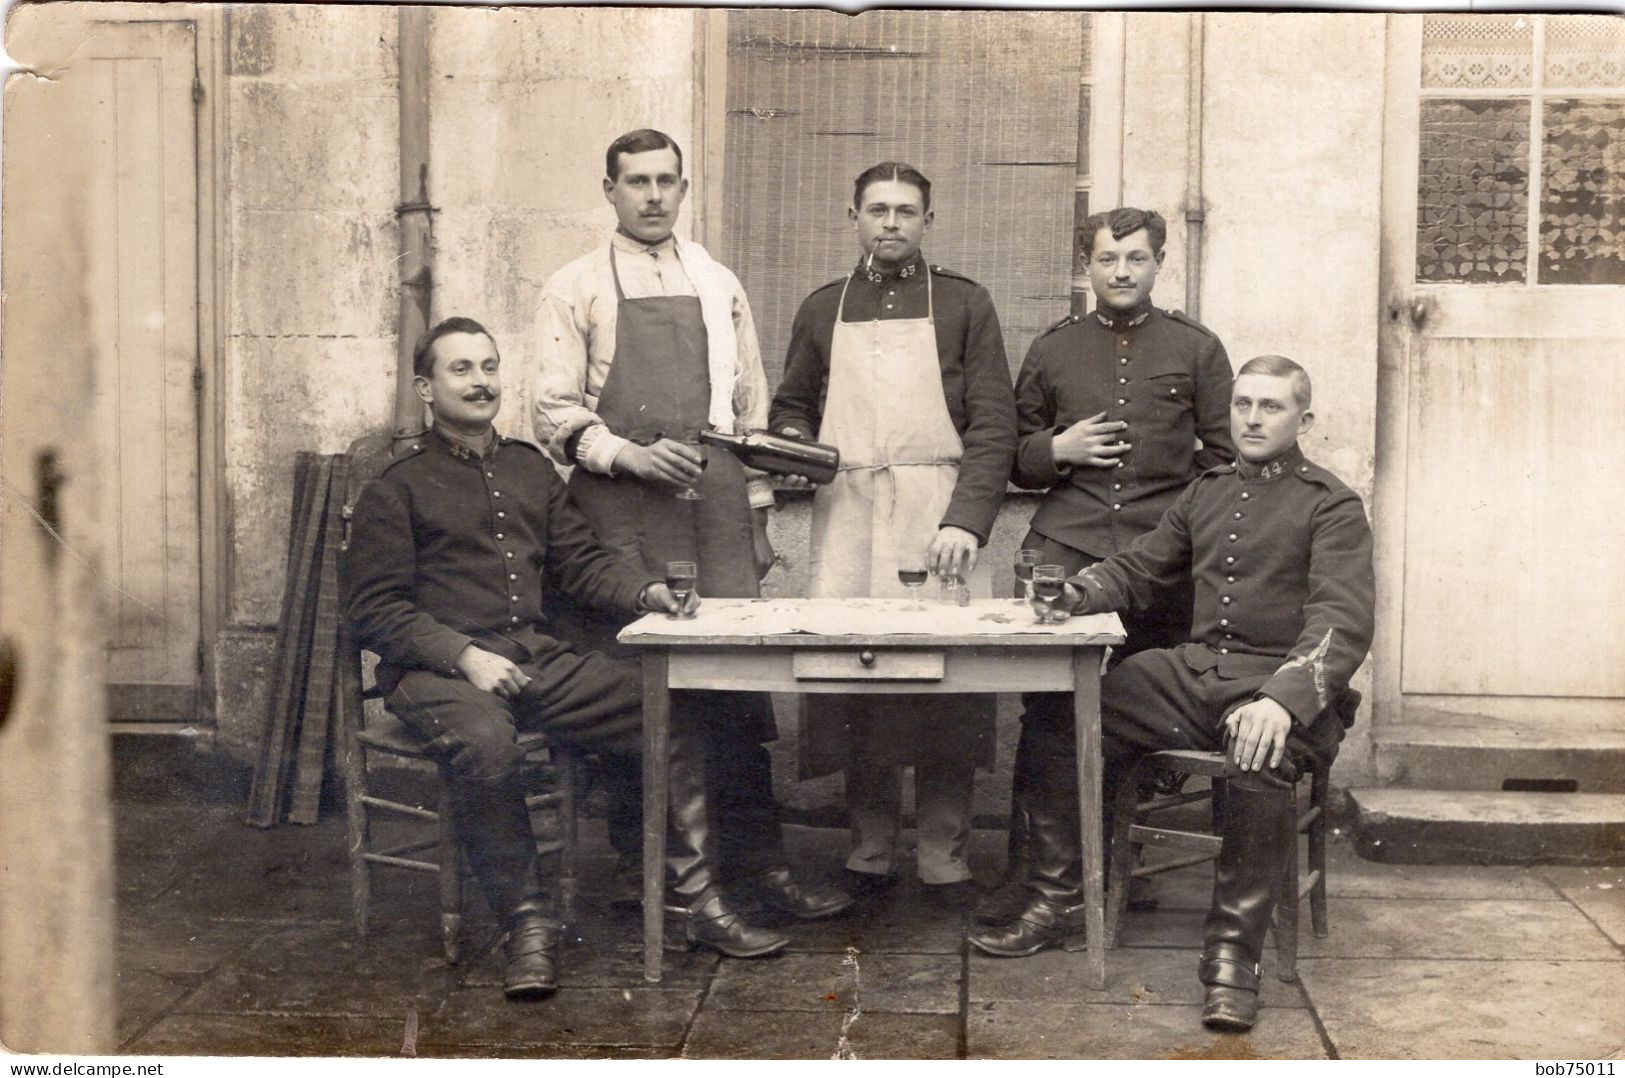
1186 320
944 271
532 446
1060 323
836 283
412 451
1227 468
1310 472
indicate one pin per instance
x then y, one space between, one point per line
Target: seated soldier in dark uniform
1279 551
458 551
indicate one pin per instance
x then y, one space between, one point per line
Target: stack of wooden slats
297 741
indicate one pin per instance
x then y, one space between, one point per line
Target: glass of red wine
1047 583
692 441
911 574
680 581
1025 560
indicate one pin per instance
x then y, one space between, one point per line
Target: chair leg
569 776
1319 788
1286 910
1122 853
451 879
358 829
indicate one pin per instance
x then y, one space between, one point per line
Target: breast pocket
1167 440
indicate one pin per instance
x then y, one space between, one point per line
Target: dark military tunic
970 352
449 549
1164 375
1281 560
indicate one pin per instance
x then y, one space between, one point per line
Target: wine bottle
779 455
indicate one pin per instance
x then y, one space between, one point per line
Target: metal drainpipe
1194 214
415 214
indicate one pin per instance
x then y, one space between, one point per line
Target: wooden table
869 646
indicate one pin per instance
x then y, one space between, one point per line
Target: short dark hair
1281 367
895 171
1125 221
423 351
642 140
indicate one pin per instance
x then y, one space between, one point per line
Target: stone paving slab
634 1015
268 1035
1599 892
1133 976
583 966
1115 1031
170 939
1412 1009
1444 928
902 920
798 1035
143 996
918 984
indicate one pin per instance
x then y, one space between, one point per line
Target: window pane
1477 51
1582 239
1473 189
1585 51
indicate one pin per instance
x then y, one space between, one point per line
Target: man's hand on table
658 599
490 672
952 552
1258 734
1065 605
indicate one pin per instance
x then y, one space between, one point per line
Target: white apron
899 462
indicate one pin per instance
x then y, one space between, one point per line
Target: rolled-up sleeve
565 421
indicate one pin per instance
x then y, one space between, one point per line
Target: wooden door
137 91
1501 496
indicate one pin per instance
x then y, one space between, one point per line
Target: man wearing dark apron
644 342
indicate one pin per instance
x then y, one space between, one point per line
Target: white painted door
136 89
1501 500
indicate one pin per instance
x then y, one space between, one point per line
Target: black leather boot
1006 903
692 865
1052 914
500 845
1259 831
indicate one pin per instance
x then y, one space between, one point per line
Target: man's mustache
480 395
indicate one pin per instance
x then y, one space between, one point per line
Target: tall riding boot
691 860
1259 830
1053 911
1007 901
495 831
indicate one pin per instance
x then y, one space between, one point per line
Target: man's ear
852 215
930 215
425 391
1305 422
1159 257
609 189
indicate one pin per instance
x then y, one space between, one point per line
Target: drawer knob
867 658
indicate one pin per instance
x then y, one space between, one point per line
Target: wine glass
692 441
911 574
680 581
1025 560
1047 583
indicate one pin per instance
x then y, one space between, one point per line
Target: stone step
1495 757
1410 826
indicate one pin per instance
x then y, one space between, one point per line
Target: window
1522 177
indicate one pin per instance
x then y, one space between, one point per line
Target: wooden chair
1133 833
437 852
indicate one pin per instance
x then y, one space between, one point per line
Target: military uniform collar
633 246
878 275
1290 461
463 449
1117 321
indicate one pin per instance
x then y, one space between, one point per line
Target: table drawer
867 664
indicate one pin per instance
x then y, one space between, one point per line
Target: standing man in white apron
644 341
902 366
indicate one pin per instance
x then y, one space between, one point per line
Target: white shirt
578 317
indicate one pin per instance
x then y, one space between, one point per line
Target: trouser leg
943 798
874 803
749 836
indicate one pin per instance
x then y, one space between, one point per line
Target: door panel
144 283
1514 520
1502 384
